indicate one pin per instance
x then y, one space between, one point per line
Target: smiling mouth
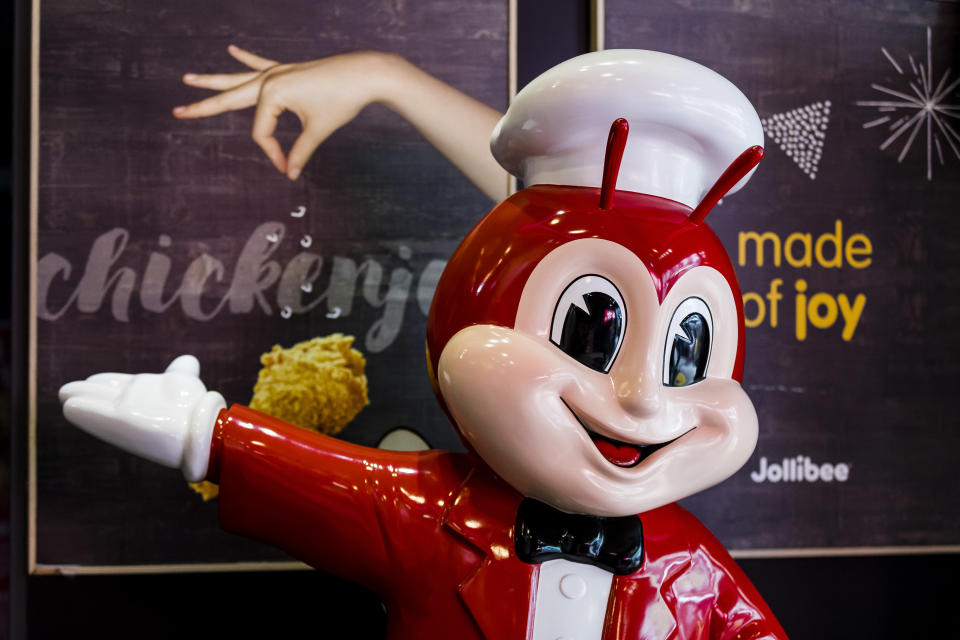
617 452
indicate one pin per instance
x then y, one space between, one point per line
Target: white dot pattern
800 133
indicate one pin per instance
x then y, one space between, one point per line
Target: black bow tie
544 533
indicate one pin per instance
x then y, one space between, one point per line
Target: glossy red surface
613 156
728 180
486 275
432 533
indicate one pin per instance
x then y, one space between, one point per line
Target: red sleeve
708 594
738 611
337 506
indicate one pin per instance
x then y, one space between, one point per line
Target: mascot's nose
639 395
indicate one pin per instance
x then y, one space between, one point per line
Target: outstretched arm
353 511
340 507
325 94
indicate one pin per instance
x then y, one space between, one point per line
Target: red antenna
616 141
737 169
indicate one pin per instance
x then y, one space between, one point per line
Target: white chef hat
687 124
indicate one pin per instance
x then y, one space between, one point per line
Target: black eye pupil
688 358
592 338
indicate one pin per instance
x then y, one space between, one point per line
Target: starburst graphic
927 106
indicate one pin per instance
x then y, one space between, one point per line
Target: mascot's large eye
687 350
589 322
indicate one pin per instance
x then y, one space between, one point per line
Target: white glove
167 418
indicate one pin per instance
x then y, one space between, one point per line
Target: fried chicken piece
318 384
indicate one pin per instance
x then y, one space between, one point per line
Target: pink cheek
492 382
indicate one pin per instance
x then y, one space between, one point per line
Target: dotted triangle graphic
800 133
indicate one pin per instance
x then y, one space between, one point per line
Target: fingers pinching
252 60
315 131
264 124
185 364
302 149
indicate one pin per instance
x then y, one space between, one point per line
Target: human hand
167 418
324 94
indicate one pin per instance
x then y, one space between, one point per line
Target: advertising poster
162 233
847 247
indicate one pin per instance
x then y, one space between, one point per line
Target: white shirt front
571 601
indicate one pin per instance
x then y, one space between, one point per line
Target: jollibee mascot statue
587 342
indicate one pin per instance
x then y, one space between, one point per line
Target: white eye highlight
589 322
686 352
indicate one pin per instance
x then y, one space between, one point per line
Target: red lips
621 454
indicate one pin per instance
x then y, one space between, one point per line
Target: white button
573 586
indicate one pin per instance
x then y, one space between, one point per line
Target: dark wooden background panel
117 169
879 402
119 173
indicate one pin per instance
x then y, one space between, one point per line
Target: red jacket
432 533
